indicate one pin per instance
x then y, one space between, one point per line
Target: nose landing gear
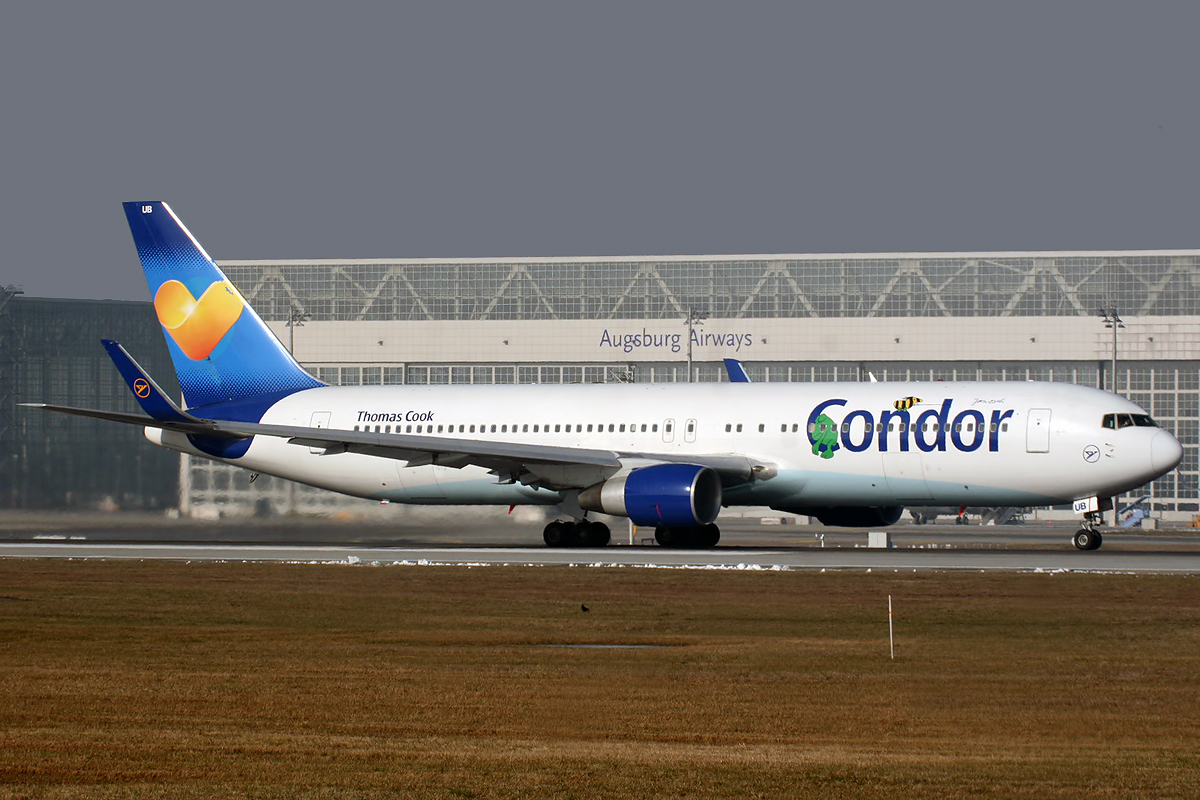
1088 538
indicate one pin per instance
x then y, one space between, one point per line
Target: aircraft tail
221 349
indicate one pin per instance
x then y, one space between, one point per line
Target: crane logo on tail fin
198 325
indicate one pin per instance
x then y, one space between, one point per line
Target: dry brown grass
241 680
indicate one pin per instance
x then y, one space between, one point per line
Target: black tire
555 534
598 535
578 534
1097 540
1085 539
666 537
708 536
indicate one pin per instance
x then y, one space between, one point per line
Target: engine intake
672 495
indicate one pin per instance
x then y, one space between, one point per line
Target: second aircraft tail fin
221 349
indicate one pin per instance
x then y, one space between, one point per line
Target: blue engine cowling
670 495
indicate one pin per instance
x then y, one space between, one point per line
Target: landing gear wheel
1087 540
598 534
556 534
688 538
588 534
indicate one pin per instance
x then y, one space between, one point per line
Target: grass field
244 680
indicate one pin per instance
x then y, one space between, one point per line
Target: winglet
737 373
153 399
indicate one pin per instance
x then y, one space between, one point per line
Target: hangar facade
894 316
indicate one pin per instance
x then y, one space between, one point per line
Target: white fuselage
831 444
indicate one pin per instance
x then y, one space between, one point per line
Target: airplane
667 456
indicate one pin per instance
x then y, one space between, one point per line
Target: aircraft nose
1165 452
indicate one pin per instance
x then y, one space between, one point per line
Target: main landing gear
1088 538
691 538
576 534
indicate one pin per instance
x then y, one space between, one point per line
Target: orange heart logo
198 326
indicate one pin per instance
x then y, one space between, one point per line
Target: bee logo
905 403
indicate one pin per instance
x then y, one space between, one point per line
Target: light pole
1113 320
694 318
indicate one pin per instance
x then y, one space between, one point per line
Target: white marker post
891 634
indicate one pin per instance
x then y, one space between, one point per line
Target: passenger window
739 427
355 427
783 428
654 428
643 428
589 430
622 427
557 428
795 427
525 428
439 428
408 429
472 429
535 428
1004 428
728 427
611 427
493 429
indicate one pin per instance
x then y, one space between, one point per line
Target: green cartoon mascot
824 437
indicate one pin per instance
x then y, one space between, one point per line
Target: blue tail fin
221 349
153 400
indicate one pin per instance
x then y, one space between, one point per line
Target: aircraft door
1037 434
689 431
320 419
668 430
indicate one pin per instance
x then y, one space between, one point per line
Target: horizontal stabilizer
191 425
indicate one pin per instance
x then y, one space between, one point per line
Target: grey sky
308 130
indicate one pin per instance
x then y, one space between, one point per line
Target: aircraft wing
533 464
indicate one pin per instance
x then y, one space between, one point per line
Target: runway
1184 560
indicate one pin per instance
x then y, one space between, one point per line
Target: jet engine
667 495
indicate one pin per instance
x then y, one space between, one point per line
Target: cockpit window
1114 421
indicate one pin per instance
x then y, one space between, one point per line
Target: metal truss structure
1143 283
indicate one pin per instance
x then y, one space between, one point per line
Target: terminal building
888 316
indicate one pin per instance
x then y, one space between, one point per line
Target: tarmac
745 544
